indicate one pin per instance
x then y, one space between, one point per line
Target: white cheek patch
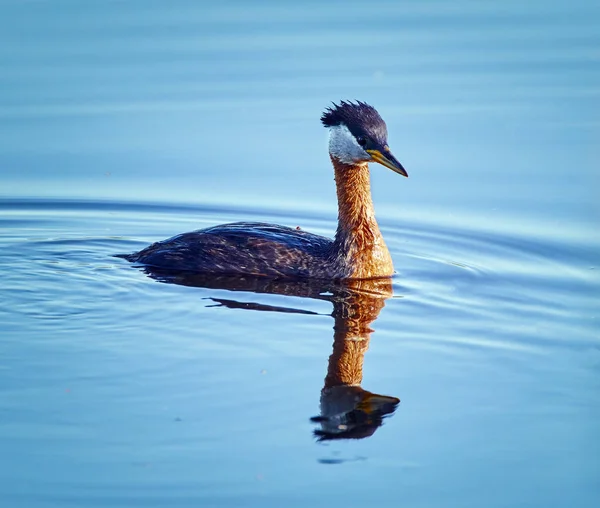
344 147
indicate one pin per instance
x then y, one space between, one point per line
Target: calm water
123 123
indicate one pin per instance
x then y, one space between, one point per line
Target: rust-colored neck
353 316
358 239
350 344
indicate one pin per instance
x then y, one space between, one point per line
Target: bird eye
361 141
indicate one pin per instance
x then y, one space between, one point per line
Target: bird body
358 136
243 248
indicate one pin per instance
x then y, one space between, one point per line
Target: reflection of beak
387 160
374 402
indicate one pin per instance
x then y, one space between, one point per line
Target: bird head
358 134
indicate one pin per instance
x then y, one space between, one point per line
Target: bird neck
354 311
358 240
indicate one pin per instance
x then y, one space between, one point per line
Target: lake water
124 123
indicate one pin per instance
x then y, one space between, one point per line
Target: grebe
357 136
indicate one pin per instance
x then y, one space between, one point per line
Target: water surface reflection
347 410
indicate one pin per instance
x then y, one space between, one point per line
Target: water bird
357 136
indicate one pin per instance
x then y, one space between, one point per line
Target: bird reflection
347 410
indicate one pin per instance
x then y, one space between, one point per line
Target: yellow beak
388 160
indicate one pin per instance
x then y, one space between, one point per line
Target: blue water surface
124 123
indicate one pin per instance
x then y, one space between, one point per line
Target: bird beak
387 160
374 402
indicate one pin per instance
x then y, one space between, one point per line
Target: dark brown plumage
242 248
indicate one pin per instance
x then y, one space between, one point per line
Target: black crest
359 117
